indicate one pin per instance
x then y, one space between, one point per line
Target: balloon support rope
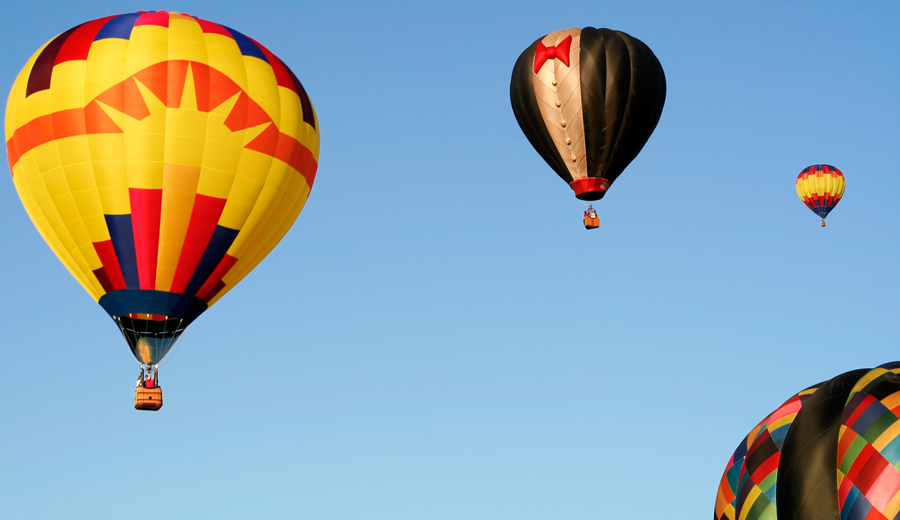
177 344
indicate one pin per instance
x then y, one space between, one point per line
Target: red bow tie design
560 52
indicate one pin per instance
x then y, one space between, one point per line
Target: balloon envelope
588 100
820 187
162 157
829 453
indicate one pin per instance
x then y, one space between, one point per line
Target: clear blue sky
438 337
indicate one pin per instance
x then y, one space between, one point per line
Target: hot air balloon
820 187
588 100
162 157
830 452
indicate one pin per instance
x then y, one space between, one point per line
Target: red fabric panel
215 290
65 123
872 470
846 441
214 28
204 218
126 97
860 408
146 208
79 43
860 462
298 156
266 142
221 88
97 121
166 80
110 263
246 113
160 18
286 149
282 76
589 184
766 468
215 278
100 274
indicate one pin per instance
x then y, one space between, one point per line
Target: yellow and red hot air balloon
162 157
820 187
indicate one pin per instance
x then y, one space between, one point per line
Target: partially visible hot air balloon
162 157
820 187
588 100
831 452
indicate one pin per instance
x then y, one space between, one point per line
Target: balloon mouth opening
590 195
591 188
150 337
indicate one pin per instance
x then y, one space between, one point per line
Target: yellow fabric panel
751 498
787 419
185 137
145 144
46 157
67 86
179 190
245 190
258 217
87 200
46 231
225 56
189 93
814 186
37 105
891 401
291 121
105 66
148 44
870 376
186 40
887 436
215 183
262 86
73 150
893 506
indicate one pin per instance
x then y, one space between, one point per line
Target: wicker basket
148 398
591 223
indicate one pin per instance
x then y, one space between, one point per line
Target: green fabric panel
762 509
879 426
852 452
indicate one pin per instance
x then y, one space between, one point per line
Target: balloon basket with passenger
591 220
148 393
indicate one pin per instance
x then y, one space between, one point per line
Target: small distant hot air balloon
831 452
588 100
162 157
820 187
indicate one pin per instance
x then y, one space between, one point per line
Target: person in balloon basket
148 383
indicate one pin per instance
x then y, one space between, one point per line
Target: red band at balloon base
591 188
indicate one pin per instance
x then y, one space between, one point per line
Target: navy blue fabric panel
128 301
308 116
248 48
122 233
118 27
221 240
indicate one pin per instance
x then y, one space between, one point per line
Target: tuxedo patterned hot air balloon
831 452
820 187
162 157
588 100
